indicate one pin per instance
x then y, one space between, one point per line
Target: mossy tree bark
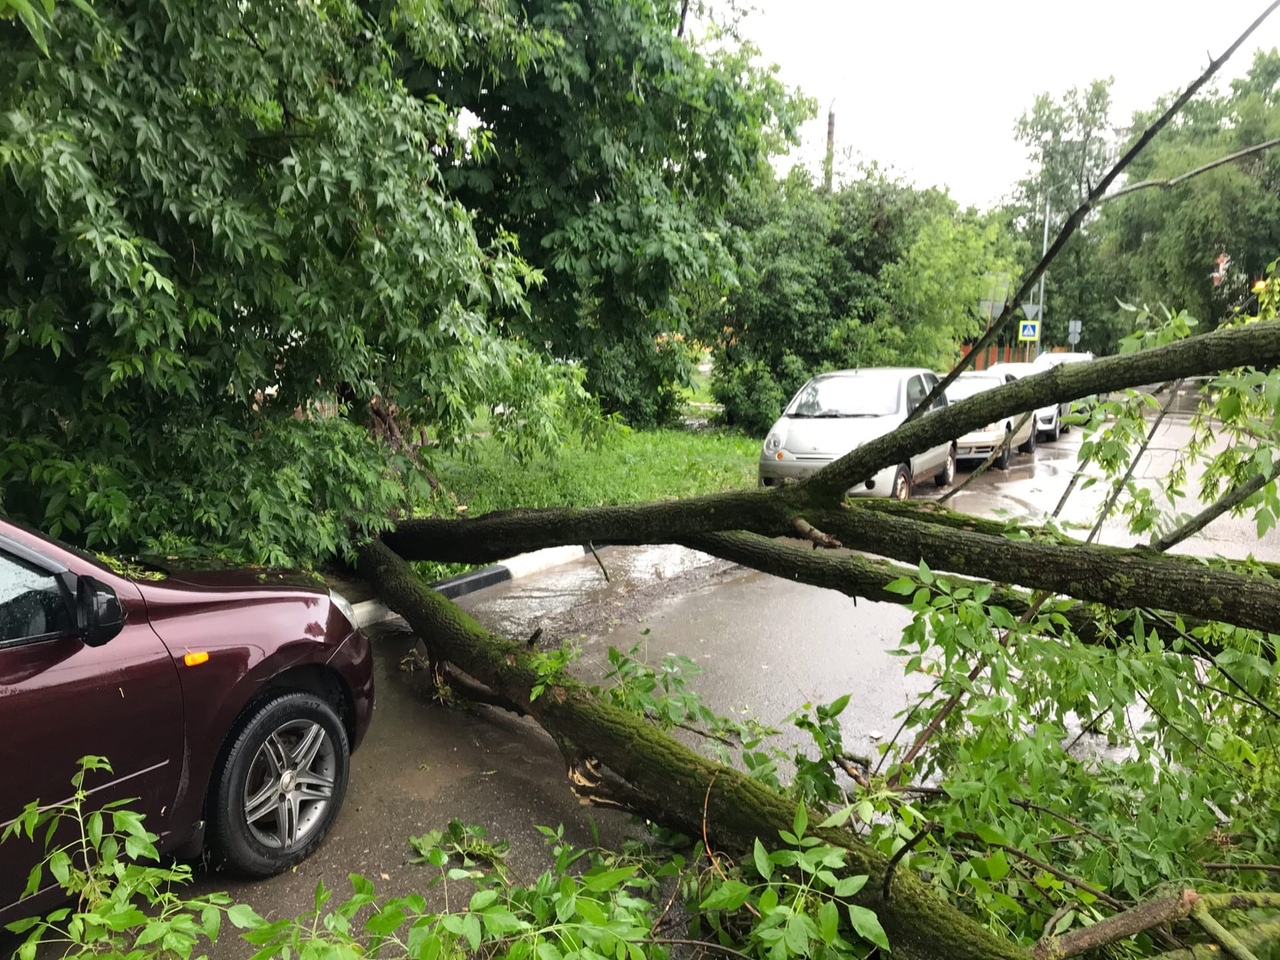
664 780
651 773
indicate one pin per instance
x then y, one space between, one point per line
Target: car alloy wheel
280 785
290 784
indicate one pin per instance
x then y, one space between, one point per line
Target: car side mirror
99 613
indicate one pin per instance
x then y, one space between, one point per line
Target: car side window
940 401
32 603
915 392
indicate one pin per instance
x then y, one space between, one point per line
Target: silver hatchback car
836 412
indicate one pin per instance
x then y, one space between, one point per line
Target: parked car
836 412
1047 361
1049 425
1002 435
227 703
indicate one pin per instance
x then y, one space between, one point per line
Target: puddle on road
559 598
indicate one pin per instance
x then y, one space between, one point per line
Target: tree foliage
1165 244
225 235
617 150
876 273
1200 244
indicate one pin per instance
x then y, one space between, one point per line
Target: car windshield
966 387
866 395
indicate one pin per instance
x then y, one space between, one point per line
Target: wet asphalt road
766 645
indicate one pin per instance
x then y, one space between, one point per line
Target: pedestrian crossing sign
1029 331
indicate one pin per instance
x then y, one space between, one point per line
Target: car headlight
773 443
344 606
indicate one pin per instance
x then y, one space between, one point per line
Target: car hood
161 579
833 436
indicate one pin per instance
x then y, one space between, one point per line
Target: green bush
643 385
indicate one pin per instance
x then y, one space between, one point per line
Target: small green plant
551 666
470 844
123 902
801 903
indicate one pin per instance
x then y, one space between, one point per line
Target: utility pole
829 162
1043 251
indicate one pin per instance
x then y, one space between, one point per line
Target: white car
836 412
1047 361
1048 423
1002 435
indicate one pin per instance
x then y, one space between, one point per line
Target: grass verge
632 466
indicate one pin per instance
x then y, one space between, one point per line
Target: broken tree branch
1210 513
771 512
1119 927
1220 934
1095 195
1255 344
1184 177
1116 577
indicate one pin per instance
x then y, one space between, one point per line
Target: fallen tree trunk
1116 577
868 578
662 779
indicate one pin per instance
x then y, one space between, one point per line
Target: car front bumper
979 444
774 473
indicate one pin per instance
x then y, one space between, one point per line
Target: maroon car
228 703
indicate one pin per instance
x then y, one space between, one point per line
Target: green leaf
867 926
989 834
482 898
837 819
903 586
499 922
471 930
385 922
764 866
243 917
801 820
848 886
730 895
829 921
608 879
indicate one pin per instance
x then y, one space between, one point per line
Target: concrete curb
369 612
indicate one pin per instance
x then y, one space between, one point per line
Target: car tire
901 489
1030 445
1051 435
1006 451
1063 427
279 785
947 475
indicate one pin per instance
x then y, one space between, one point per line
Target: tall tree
1069 142
227 245
1166 245
877 272
617 151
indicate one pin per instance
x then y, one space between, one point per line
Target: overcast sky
933 88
